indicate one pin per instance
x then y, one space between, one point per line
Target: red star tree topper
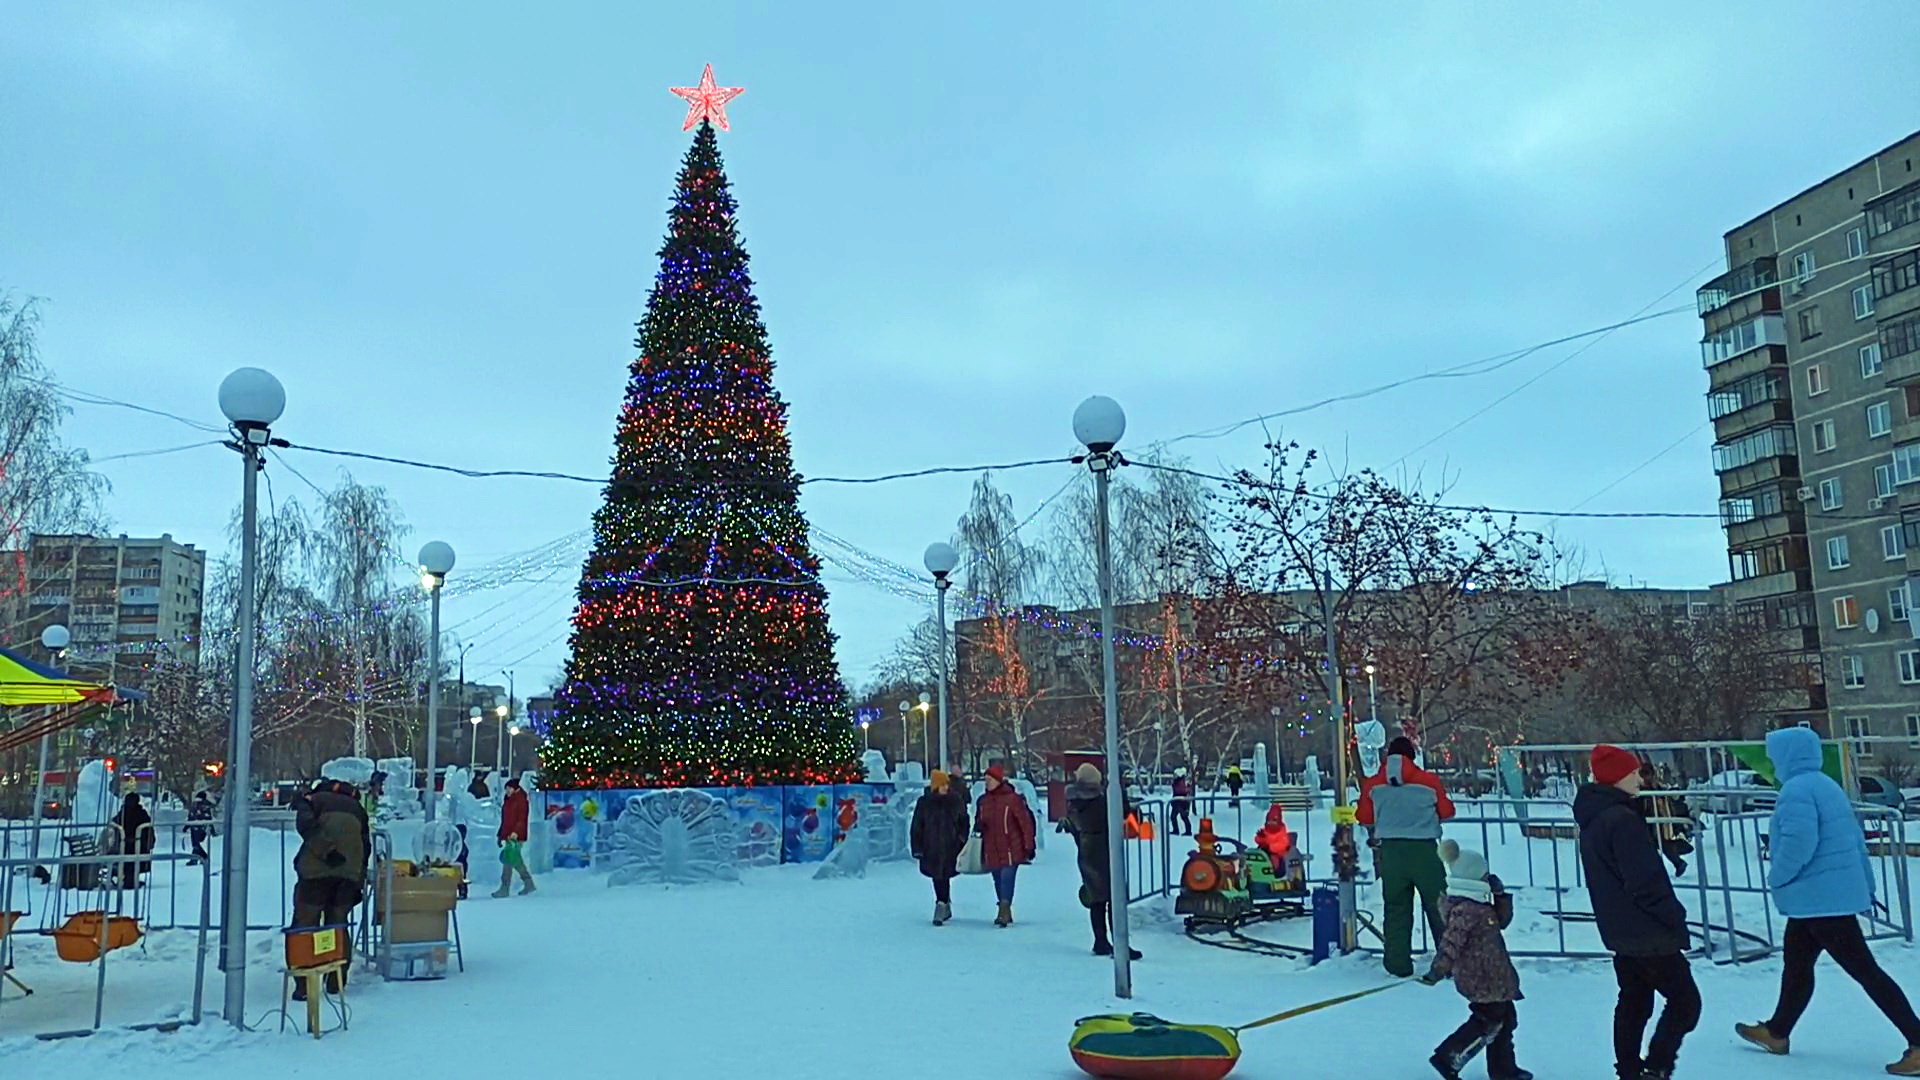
707 101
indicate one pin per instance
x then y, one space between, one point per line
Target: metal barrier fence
1725 891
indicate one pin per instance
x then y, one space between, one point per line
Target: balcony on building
1900 349
1756 458
1758 399
1757 515
1741 338
1756 278
1894 218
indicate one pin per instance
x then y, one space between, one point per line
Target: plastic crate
419 960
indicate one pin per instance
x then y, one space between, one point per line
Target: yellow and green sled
1141 1046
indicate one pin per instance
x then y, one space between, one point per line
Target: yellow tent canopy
23 682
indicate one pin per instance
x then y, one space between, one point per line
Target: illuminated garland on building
700 652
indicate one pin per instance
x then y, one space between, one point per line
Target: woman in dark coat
939 832
136 838
1087 821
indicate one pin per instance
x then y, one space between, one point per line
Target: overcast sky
437 224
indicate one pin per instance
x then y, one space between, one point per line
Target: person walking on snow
1235 780
1087 821
1474 955
938 832
1641 921
1403 805
1005 826
136 838
201 810
1822 882
1180 812
513 841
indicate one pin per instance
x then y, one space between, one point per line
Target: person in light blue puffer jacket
1819 854
1822 881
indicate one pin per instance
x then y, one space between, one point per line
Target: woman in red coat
513 839
1005 826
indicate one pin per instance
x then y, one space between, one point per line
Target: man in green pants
1403 805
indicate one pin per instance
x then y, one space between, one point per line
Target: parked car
1882 792
1745 791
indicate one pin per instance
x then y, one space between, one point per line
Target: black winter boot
1461 1047
1500 1063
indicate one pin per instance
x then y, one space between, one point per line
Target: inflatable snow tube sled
1145 1047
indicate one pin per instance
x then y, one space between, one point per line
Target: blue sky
436 223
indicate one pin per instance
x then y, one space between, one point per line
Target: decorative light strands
700 652
706 102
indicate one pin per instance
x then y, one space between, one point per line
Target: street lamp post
1099 423
252 400
513 746
926 735
473 744
941 560
55 639
866 737
436 562
906 710
1373 699
502 713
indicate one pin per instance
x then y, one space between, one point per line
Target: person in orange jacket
1402 806
513 839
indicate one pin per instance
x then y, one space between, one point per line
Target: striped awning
24 682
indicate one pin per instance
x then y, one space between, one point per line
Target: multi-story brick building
120 597
1812 351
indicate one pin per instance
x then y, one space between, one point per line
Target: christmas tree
701 655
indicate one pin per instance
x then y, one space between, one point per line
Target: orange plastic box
313 946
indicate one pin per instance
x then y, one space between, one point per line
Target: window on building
1912 394
1803 267
1838 555
1776 441
1883 481
1830 494
1846 612
1906 463
1862 302
1870 360
1879 419
1902 209
1816 380
1913 731
1898 274
1856 242
1910 666
1897 610
1892 543
1810 323
1824 438
1853 671
1860 729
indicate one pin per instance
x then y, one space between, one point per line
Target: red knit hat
996 772
1611 764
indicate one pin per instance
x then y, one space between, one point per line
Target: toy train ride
1224 889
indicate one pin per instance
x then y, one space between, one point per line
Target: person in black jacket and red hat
1641 921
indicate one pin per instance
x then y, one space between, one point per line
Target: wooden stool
316 983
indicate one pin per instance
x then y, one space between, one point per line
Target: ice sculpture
875 764
94 802
438 844
1034 803
1262 790
849 859
1312 776
1370 737
354 770
676 836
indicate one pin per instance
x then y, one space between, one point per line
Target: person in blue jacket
1822 882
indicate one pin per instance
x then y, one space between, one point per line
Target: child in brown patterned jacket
1473 953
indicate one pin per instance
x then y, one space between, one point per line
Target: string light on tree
700 653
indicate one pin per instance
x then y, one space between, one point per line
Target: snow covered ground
785 976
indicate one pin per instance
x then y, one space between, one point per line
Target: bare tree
1716 673
45 484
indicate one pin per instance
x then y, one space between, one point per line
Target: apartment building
1812 351
121 598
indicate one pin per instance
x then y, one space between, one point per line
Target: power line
152 453
1676 515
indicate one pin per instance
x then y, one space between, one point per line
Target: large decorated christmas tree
701 655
